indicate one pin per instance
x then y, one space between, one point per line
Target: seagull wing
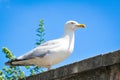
38 52
41 50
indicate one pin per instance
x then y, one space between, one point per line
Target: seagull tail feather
8 63
16 63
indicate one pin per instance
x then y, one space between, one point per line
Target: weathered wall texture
101 67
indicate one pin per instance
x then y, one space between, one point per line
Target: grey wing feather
40 51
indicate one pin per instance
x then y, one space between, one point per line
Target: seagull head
73 25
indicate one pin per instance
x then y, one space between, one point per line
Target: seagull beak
80 25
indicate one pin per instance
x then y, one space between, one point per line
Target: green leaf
41 24
37 43
22 74
1 72
40 30
42 21
32 72
4 68
42 40
8 53
1 78
38 34
27 67
13 67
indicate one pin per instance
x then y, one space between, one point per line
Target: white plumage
50 52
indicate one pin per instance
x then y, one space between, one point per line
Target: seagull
50 52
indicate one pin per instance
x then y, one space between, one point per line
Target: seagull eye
72 23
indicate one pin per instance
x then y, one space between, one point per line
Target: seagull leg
49 68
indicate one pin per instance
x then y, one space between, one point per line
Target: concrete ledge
103 62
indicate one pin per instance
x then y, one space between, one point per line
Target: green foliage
1 75
15 72
40 33
10 72
8 53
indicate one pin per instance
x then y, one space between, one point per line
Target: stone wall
101 67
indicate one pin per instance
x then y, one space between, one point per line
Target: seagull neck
69 36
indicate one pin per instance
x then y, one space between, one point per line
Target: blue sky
19 20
